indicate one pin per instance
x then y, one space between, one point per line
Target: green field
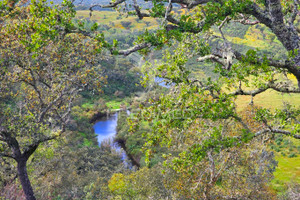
115 20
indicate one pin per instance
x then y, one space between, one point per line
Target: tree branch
262 15
271 62
294 13
212 57
245 20
276 12
29 150
189 3
133 49
6 155
138 10
271 130
110 5
269 85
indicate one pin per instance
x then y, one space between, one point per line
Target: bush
126 24
292 155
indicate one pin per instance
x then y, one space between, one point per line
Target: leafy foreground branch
279 17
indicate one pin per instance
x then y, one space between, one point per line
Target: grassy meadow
115 20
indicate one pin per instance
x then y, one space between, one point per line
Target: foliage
213 147
143 184
43 68
72 168
199 118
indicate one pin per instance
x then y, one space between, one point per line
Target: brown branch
6 155
245 20
265 130
285 89
73 95
138 10
171 19
133 49
294 13
270 85
290 66
29 150
113 4
110 5
212 57
271 130
271 62
43 113
189 3
85 33
262 16
276 11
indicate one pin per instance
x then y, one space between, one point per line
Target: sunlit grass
269 99
87 105
114 20
288 170
115 104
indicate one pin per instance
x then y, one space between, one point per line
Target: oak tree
44 66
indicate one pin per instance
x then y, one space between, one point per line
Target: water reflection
106 128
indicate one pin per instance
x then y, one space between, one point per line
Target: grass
111 18
111 103
115 103
288 170
88 105
268 99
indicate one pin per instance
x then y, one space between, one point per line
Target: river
106 128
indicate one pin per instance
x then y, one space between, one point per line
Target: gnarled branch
133 49
271 130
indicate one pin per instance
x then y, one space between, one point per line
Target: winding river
106 128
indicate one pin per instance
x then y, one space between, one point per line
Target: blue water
106 128
161 82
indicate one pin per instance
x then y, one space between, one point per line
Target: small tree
126 24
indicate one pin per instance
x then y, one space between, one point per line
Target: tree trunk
23 176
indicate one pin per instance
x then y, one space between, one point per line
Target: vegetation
223 125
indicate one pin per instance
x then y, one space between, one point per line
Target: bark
23 176
21 160
287 35
273 18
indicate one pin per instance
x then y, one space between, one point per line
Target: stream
106 128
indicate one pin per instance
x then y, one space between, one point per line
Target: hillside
252 37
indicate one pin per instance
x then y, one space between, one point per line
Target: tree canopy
47 59
43 69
